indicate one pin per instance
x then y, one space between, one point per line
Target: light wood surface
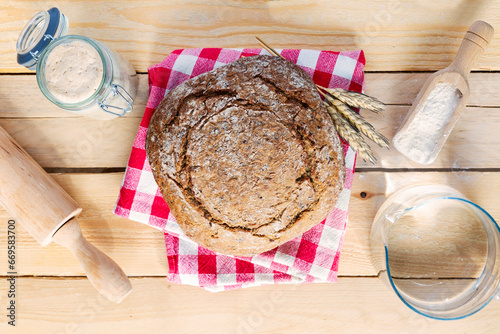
396 35
43 130
353 305
47 213
404 43
139 249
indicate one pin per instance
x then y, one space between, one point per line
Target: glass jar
76 73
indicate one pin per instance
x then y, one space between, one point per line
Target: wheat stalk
350 135
355 99
268 48
358 122
348 123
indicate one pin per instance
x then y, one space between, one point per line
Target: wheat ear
345 131
355 99
337 105
358 122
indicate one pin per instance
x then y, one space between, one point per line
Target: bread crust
246 156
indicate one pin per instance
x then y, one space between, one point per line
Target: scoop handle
473 45
104 274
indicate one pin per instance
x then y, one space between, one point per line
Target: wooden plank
393 40
402 88
80 142
140 249
22 98
59 139
472 143
75 141
353 305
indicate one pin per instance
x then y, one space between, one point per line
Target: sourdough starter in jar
76 73
84 77
73 71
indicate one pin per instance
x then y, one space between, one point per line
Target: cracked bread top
246 156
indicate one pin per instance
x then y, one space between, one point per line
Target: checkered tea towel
311 257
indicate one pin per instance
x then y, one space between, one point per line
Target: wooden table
404 42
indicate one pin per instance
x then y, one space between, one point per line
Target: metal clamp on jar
76 73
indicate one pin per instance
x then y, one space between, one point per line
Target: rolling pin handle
104 274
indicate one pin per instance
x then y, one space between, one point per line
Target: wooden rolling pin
48 213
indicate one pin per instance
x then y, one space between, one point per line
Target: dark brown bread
246 156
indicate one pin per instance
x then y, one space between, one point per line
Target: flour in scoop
418 140
73 71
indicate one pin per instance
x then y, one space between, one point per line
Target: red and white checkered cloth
312 257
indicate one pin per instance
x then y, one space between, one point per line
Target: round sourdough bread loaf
246 156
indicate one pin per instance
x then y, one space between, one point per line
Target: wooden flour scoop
48 213
473 45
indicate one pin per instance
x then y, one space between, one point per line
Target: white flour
418 140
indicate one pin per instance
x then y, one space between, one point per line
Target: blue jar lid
42 29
